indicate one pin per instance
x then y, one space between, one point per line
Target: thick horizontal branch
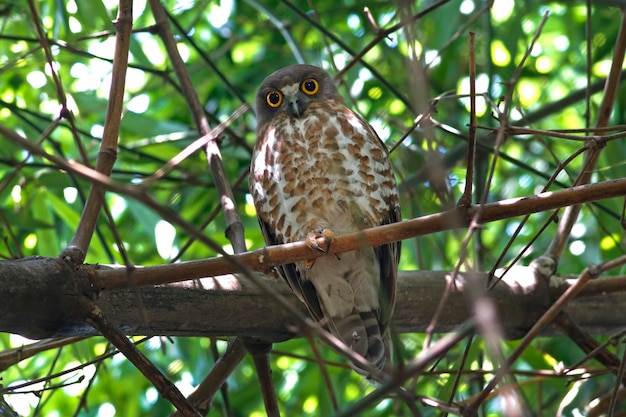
39 294
271 256
41 297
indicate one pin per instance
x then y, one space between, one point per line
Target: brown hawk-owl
320 170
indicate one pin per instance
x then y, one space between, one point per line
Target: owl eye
274 98
310 86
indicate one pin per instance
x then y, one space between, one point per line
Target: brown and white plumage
319 168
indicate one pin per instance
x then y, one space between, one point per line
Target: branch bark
41 293
43 302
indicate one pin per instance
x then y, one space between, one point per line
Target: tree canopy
127 131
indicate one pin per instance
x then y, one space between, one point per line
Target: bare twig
324 371
504 114
600 133
383 33
165 387
425 358
65 111
223 368
587 274
10 357
546 223
466 198
260 357
52 345
108 148
591 156
209 218
196 145
282 28
459 373
234 226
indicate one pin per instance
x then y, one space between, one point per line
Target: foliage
228 48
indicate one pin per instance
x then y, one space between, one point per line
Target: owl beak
295 106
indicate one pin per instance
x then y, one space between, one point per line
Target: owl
319 170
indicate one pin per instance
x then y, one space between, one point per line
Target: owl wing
389 254
388 258
303 289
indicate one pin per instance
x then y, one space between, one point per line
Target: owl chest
316 163
316 180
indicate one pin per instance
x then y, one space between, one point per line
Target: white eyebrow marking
290 89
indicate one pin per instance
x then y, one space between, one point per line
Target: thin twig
66 371
504 114
425 357
566 133
466 198
234 226
280 25
587 274
196 145
166 388
205 391
460 371
322 365
209 218
62 97
550 220
557 246
260 357
77 248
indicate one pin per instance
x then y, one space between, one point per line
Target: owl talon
311 242
327 234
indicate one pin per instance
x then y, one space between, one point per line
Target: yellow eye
310 86
274 98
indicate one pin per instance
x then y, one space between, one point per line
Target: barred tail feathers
361 333
348 294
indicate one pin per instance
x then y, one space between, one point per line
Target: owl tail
349 305
360 331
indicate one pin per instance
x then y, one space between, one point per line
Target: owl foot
311 242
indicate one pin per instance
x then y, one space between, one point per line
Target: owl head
291 90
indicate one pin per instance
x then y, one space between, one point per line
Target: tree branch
43 299
77 248
266 258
